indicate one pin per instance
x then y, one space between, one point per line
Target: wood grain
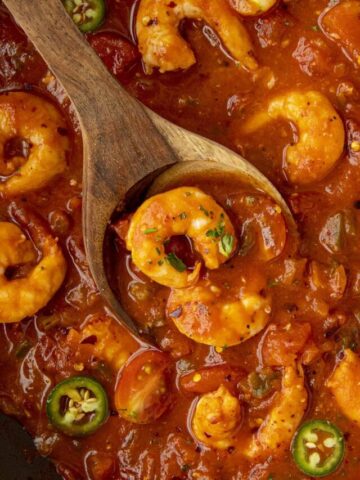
123 141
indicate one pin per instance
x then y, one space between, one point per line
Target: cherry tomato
117 53
143 389
263 225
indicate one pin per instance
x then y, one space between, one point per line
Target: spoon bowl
124 142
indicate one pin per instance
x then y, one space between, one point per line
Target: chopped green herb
150 230
158 251
315 28
160 262
217 232
22 349
183 215
176 262
226 244
203 209
185 468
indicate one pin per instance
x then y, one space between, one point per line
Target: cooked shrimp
108 340
23 297
38 124
217 416
252 7
210 314
341 24
320 133
162 46
278 428
182 211
344 384
216 419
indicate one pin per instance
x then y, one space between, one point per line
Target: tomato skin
282 345
117 53
143 391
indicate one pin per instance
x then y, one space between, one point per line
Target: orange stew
248 329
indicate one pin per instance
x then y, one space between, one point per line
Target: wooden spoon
123 140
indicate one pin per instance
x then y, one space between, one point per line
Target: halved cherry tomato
208 379
116 52
263 225
143 390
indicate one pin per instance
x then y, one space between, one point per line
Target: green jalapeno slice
77 406
86 14
318 448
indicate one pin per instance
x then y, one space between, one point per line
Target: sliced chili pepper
77 406
87 14
318 448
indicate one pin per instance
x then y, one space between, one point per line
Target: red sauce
214 98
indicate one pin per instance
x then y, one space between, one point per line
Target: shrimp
280 425
344 384
39 126
162 46
207 313
23 297
107 340
252 7
341 24
320 131
182 211
216 419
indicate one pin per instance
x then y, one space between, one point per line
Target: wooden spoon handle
121 143
104 107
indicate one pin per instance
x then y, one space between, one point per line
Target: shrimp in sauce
320 133
41 129
208 314
252 7
25 296
181 211
162 46
216 418
344 384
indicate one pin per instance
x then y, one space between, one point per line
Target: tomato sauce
313 280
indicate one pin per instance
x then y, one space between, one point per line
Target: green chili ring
77 406
88 15
305 449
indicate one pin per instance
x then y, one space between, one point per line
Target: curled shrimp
344 384
39 126
207 313
215 424
162 46
216 418
23 297
279 427
252 7
181 211
320 133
